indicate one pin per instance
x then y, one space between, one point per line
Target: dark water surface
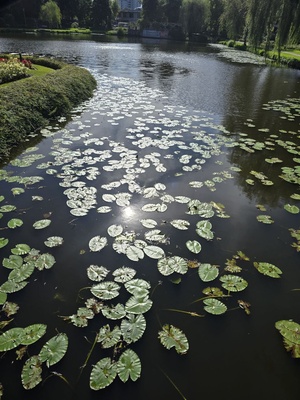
167 120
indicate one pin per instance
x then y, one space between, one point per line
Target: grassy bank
28 104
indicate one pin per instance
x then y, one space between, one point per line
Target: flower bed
12 68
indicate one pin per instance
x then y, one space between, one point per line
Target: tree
101 14
50 13
216 10
195 16
233 18
149 13
115 8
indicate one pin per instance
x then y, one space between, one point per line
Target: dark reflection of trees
252 88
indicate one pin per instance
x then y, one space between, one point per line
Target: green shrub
230 43
28 104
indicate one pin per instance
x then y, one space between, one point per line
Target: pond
154 233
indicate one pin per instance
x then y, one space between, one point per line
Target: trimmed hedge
28 104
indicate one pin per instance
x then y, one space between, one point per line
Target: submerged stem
88 356
170 380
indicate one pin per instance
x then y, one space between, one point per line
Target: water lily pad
20 249
21 273
12 286
115 230
265 219
33 333
103 374
54 241
208 272
106 290
133 327
290 331
45 261
292 209
14 223
138 305
154 252
41 224
194 246
268 269
97 243
129 366
55 349
3 242
233 283
97 273
214 306
138 287
180 224
171 336
31 374
11 339
123 274
114 312
107 337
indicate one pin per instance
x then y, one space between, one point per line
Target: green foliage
28 104
51 14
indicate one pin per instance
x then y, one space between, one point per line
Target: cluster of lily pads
137 168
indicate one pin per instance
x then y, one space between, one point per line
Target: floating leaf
3 298
129 365
265 219
292 209
233 283
268 269
12 286
107 337
54 350
138 287
115 230
208 272
20 249
31 373
194 246
170 336
7 208
41 224
45 261
214 306
180 224
103 374
14 223
148 223
97 243
123 274
290 331
16 191
33 333
3 242
154 252
21 273
97 273
133 327
11 339
105 290
138 305
134 253
114 312
54 241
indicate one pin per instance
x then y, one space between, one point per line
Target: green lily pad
171 336
129 366
292 209
214 306
105 290
290 331
138 287
33 333
54 350
31 373
103 374
123 274
20 249
41 224
11 339
208 272
138 305
21 273
268 269
3 242
12 286
107 337
14 223
233 283
194 246
133 327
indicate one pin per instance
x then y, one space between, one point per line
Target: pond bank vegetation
28 104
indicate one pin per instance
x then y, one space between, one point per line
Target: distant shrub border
28 104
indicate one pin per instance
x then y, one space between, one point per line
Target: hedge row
28 105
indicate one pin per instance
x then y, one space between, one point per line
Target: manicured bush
28 104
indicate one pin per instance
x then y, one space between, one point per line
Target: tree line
253 21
